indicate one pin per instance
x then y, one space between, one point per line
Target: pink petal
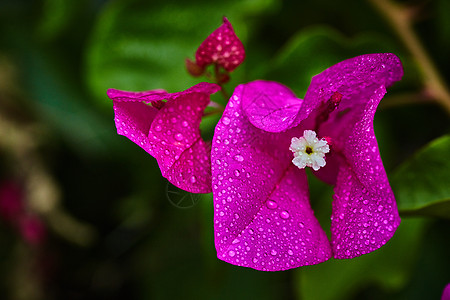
170 134
357 79
446 293
146 96
365 214
270 106
222 47
262 216
351 78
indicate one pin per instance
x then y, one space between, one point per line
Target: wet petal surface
222 47
262 216
171 134
269 105
353 78
365 214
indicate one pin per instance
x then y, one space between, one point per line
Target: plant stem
401 20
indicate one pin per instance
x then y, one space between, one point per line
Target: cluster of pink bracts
262 215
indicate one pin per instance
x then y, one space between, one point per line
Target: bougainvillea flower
262 215
167 126
222 47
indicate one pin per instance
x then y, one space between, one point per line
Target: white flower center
309 151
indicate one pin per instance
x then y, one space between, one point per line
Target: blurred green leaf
314 49
57 16
142 45
421 184
389 267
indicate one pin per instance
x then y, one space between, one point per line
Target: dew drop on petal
271 204
284 215
231 253
239 158
193 179
226 120
273 252
179 137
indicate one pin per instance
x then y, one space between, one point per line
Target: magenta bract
262 216
169 131
446 293
222 47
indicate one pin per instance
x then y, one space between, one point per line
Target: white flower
309 151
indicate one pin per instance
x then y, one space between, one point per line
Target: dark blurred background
86 214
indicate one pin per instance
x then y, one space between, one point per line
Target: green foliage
142 45
421 184
314 49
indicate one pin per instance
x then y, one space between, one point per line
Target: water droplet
301 225
273 252
226 120
236 173
290 252
179 137
185 124
380 208
231 253
158 128
239 158
284 215
271 204
193 179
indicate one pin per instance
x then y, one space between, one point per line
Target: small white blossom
309 151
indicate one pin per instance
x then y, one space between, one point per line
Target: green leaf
142 45
314 49
421 184
57 16
388 267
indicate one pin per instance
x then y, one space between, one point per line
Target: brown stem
401 20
